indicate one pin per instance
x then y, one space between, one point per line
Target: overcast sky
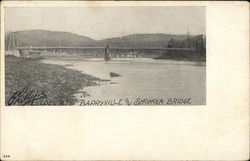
105 22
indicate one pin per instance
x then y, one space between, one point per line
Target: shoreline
58 83
183 56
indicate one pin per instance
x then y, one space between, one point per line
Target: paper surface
214 127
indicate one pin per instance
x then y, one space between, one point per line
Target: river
142 78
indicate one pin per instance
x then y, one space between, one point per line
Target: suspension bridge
115 52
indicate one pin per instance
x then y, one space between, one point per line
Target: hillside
142 40
41 38
49 38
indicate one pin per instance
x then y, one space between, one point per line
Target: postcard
124 80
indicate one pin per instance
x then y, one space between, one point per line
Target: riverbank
56 82
183 56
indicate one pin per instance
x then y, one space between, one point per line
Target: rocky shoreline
56 83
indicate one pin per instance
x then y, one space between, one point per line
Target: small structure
34 54
31 54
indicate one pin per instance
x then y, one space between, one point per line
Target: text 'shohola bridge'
12 48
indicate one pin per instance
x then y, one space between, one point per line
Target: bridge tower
12 43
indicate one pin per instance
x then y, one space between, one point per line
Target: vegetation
183 55
198 43
143 40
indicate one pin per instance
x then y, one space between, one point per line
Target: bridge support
12 46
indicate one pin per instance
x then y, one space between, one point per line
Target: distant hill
41 38
49 38
142 40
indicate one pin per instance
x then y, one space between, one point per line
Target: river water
141 78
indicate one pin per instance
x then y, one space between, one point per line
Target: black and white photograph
124 80
105 56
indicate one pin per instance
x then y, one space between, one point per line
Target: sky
105 22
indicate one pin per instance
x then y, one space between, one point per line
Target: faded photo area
104 56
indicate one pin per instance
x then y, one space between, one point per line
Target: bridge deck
111 48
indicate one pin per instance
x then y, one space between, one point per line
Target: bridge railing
111 48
